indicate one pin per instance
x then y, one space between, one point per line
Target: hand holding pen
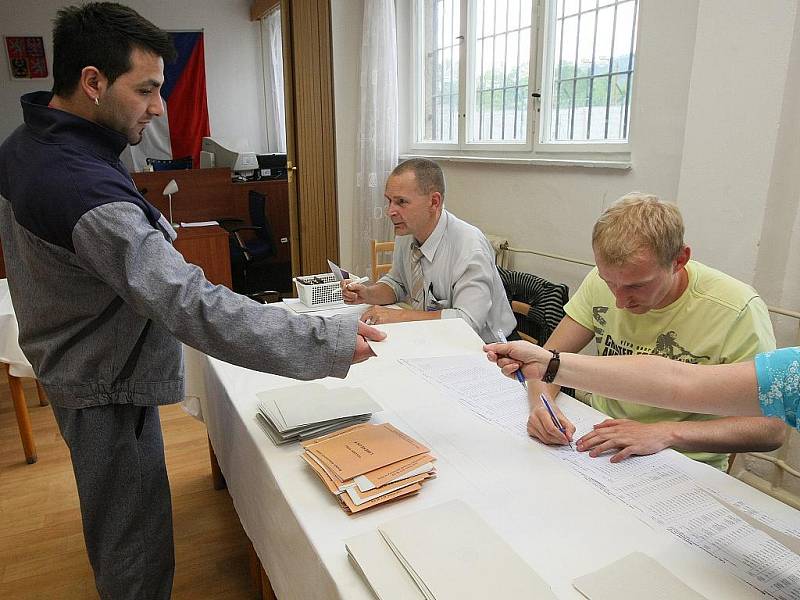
554 418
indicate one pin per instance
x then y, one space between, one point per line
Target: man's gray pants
118 459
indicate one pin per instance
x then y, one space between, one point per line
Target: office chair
170 164
253 273
378 268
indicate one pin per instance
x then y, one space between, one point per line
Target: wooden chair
379 268
23 417
523 309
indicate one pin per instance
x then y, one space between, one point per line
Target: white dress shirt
461 279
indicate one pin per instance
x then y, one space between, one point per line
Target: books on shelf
367 465
309 410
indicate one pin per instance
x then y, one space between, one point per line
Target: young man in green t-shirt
647 297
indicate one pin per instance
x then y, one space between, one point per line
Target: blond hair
635 223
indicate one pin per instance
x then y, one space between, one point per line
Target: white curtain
377 134
273 81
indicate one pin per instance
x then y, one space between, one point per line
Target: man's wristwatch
552 367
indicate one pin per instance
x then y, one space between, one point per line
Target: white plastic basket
319 294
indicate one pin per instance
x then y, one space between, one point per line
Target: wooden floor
42 553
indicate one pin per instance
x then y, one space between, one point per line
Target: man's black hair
102 35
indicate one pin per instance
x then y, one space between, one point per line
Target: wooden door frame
310 130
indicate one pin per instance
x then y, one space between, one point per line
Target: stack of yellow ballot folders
367 465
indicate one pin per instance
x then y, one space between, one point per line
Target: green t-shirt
717 320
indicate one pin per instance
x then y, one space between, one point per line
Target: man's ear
92 84
683 257
436 200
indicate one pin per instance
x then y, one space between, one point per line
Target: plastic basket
318 294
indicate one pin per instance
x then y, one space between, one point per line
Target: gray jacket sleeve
117 244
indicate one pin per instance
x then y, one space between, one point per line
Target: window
522 75
589 70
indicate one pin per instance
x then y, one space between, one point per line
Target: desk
207 247
557 522
17 366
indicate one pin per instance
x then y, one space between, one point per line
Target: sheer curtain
377 135
273 81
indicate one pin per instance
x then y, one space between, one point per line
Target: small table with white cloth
558 522
17 366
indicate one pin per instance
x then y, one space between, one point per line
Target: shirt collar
434 239
61 127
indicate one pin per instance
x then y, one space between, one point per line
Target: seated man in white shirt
442 267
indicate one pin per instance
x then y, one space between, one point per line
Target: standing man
102 297
647 297
443 267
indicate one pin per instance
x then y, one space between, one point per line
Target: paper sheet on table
456 555
315 403
634 577
297 306
380 568
420 339
199 223
790 541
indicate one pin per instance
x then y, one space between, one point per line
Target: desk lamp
169 189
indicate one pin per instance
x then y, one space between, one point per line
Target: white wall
234 79
715 127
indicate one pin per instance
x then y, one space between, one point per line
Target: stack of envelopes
443 553
367 465
301 412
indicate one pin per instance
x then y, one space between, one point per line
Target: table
17 366
556 521
208 248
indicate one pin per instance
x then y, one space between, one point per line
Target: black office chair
253 273
170 164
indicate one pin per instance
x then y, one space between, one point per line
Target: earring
96 101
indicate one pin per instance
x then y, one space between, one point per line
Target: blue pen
520 377
553 416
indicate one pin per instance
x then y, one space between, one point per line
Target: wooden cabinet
209 194
207 247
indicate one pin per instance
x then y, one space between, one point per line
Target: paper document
453 554
379 567
368 465
199 224
655 486
634 577
419 339
311 409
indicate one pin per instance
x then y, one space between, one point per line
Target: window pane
597 115
569 44
502 56
586 44
586 104
439 26
623 36
616 112
605 29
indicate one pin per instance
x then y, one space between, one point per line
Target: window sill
539 162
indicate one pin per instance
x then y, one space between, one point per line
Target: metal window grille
441 30
592 69
501 70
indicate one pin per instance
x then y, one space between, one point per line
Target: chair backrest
544 302
775 473
170 164
257 204
380 268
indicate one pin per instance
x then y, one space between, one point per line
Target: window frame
539 82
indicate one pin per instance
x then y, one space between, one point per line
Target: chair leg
23 418
42 395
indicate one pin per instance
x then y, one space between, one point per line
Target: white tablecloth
556 521
10 352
